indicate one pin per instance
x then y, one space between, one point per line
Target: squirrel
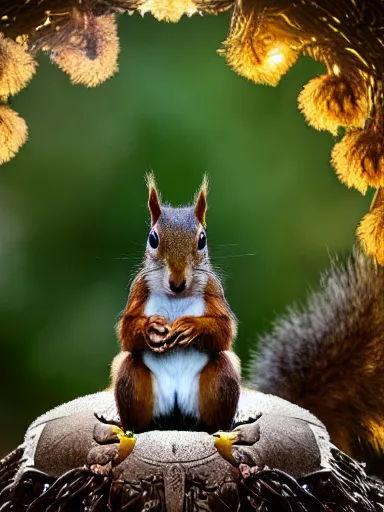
329 358
176 368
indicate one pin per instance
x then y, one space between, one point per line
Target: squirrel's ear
201 201
153 199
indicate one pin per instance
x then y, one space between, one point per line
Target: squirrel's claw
161 337
162 348
159 350
182 335
184 342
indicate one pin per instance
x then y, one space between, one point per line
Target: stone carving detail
144 495
187 474
175 491
220 497
191 477
281 461
174 483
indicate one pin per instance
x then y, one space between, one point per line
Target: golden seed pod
17 67
359 159
170 10
13 133
334 100
90 55
371 229
255 62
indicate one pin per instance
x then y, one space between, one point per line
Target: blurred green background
73 218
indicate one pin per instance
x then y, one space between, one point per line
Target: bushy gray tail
329 358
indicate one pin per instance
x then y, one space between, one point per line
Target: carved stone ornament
277 458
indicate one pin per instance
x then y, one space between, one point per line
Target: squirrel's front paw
183 331
156 333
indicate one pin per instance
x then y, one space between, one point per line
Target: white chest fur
174 307
176 380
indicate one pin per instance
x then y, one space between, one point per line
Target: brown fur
132 326
134 393
176 275
330 358
178 239
153 199
201 202
215 330
219 390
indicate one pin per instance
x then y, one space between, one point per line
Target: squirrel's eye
202 242
153 239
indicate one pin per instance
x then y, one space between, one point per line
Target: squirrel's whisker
235 256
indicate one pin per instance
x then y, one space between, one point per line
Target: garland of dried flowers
264 41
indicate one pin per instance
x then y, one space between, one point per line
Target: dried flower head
256 64
17 67
265 39
334 100
88 52
170 10
359 158
13 133
258 50
371 229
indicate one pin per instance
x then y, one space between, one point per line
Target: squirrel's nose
177 287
